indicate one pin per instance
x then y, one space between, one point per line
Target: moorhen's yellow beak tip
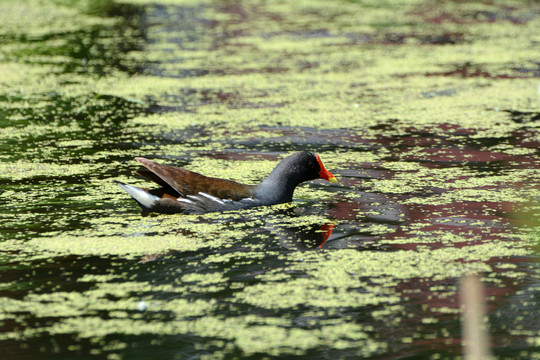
333 180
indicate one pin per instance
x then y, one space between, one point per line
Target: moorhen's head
302 166
308 166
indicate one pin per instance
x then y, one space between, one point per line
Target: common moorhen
184 191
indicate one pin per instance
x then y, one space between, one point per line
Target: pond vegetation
427 113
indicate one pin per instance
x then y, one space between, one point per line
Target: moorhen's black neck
279 186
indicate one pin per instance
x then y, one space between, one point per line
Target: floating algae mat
427 113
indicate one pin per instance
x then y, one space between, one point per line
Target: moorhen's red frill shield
184 191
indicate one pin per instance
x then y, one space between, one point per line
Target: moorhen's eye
313 161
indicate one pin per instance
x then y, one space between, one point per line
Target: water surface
427 114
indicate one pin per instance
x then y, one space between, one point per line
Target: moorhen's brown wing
191 183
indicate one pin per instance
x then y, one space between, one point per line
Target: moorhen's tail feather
149 202
143 198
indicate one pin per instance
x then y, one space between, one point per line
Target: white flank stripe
213 198
187 201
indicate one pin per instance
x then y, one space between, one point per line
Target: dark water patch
533 69
98 50
184 29
493 13
469 70
432 94
188 100
432 39
179 74
129 13
522 117
259 70
46 108
286 138
72 127
277 139
51 275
